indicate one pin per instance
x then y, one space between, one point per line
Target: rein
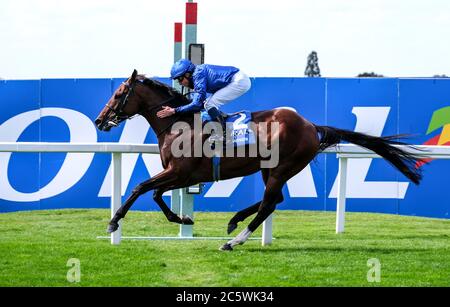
120 116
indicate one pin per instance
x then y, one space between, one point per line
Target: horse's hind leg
245 213
240 216
272 195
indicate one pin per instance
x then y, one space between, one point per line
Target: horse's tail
400 159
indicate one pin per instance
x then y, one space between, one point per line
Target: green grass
35 247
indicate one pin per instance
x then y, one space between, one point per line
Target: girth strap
216 168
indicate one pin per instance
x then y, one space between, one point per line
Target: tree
369 75
312 66
441 76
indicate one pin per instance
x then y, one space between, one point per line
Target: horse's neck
163 126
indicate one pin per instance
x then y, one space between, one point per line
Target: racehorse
298 139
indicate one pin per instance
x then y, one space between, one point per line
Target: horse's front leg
164 178
170 215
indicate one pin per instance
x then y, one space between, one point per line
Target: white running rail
116 149
343 151
350 151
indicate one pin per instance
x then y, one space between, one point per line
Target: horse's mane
163 87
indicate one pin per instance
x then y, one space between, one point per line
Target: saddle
226 115
241 133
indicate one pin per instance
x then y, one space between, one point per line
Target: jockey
225 83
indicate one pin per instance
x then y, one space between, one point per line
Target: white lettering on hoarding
369 120
74 166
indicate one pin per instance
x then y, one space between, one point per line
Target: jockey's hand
166 112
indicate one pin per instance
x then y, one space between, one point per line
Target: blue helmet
181 67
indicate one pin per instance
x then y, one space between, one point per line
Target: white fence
117 149
344 152
350 151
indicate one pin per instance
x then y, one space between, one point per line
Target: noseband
118 110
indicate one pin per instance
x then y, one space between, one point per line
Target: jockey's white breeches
239 85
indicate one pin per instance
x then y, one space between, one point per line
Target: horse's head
122 105
139 95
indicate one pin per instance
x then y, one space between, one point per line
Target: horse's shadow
322 249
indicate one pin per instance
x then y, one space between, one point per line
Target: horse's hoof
231 228
226 247
175 219
186 220
112 227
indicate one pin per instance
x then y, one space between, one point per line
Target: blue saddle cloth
242 134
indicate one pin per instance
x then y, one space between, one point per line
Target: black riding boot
216 116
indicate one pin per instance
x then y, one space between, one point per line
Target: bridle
118 110
120 116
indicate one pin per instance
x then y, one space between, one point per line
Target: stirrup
213 138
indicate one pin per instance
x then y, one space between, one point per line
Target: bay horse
299 142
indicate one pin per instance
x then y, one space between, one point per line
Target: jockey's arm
199 94
195 106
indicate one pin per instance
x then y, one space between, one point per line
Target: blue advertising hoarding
63 110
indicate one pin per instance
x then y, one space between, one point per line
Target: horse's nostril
98 121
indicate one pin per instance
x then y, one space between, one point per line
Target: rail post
342 190
116 193
267 231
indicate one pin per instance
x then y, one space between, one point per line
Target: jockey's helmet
181 67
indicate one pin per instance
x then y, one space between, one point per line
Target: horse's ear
133 76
